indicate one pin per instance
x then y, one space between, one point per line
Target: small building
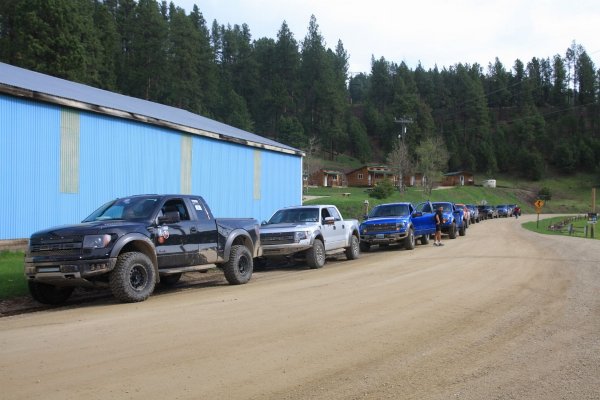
326 178
459 178
489 183
417 179
370 175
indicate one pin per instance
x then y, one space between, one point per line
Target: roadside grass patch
564 226
12 280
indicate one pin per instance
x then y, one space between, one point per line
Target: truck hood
288 226
384 220
85 228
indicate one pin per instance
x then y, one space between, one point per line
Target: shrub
382 190
544 193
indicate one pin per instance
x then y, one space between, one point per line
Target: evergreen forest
522 118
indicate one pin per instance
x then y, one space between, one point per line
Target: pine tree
55 37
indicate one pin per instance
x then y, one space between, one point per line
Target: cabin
370 175
417 179
458 178
326 178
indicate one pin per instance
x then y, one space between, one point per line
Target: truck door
175 243
335 234
206 233
425 222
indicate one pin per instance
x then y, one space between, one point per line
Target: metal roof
25 83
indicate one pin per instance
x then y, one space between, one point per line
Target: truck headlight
96 241
300 236
400 226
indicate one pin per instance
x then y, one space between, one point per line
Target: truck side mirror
170 217
328 220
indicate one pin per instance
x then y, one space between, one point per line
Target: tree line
522 119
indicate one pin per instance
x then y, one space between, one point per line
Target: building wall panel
116 157
29 165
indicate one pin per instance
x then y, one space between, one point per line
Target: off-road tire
452 231
133 278
425 239
315 256
409 240
49 294
238 269
353 251
365 247
462 231
170 280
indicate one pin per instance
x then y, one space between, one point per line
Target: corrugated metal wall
57 165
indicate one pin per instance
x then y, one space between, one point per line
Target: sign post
538 209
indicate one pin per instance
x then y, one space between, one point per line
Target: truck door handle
193 229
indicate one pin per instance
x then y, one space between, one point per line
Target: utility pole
403 122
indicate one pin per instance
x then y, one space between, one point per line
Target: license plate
48 269
380 236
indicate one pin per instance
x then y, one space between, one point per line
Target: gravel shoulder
502 313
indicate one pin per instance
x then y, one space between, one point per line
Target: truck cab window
176 205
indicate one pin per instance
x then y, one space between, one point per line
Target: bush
382 190
544 193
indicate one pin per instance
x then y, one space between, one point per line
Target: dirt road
502 313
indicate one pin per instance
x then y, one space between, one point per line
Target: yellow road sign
539 203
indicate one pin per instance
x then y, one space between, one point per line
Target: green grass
570 195
12 280
579 224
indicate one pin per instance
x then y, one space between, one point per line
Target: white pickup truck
312 232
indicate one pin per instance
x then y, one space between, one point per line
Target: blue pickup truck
454 217
396 223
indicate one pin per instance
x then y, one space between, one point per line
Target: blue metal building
67 148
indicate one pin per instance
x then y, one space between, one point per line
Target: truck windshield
391 210
129 209
446 207
295 215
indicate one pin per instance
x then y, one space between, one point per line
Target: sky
430 32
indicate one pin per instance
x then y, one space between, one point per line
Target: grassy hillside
570 195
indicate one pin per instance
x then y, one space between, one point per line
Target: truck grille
277 238
381 227
55 248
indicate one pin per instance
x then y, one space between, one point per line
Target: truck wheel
365 247
452 232
409 240
238 269
425 239
315 256
462 231
353 251
133 278
170 280
49 294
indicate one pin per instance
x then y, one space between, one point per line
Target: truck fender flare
233 235
145 244
316 235
352 232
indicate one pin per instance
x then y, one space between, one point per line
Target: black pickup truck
130 244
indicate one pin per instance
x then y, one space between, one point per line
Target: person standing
517 211
439 218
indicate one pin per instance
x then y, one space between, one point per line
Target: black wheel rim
243 265
138 278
